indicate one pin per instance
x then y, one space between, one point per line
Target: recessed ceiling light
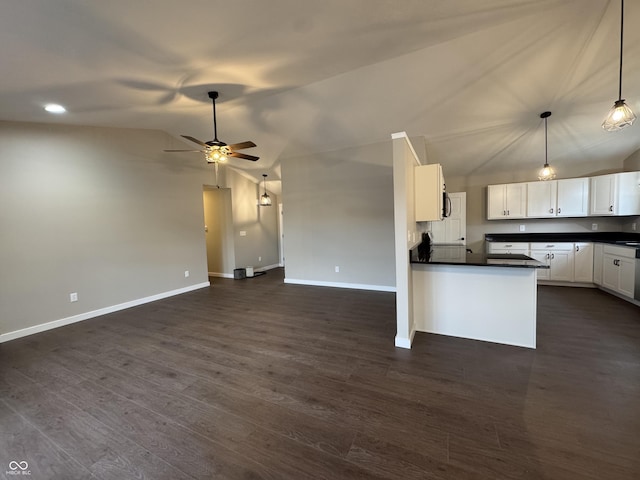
55 108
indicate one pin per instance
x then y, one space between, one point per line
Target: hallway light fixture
620 115
265 199
547 173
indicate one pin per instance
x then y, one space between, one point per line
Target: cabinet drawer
493 246
551 246
626 252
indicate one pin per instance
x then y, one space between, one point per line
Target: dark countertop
458 255
619 238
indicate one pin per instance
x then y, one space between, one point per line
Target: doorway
218 228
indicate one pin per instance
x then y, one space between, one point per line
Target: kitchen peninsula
478 296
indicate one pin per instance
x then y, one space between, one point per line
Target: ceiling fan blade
243 155
199 151
241 146
194 140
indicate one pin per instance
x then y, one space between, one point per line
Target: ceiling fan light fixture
620 116
265 199
546 173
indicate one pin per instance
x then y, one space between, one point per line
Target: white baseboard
267 267
221 275
5 337
356 286
405 342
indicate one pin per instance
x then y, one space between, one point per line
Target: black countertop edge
458 255
602 237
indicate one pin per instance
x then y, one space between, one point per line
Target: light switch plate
522 228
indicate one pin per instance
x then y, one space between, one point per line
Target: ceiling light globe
547 173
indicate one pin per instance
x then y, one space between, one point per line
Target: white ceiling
302 76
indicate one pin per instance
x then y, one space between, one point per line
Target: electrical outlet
243 233
259 259
522 228
594 226
633 226
186 273
337 269
73 297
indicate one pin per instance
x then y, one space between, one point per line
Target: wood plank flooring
255 379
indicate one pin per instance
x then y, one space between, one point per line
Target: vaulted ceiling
302 76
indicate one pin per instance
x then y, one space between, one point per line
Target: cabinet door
561 263
541 199
628 198
573 197
610 273
626 276
428 192
496 201
583 262
602 191
541 256
516 200
598 259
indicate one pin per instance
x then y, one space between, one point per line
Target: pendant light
547 173
620 115
265 199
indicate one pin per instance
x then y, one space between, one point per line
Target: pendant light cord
215 128
621 38
546 159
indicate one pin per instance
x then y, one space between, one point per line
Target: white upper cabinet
506 201
573 197
603 193
429 189
542 199
558 198
615 194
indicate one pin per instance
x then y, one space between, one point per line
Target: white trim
356 286
221 275
404 135
401 342
5 337
266 267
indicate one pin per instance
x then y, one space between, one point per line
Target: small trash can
239 273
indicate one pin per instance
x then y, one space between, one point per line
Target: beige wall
104 212
338 211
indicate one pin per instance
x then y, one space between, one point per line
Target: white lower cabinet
508 247
583 262
598 259
619 270
559 257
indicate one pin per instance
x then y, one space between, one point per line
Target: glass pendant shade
265 199
620 116
547 173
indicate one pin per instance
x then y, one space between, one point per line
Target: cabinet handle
577 248
551 210
547 257
550 246
553 255
504 213
559 210
611 208
507 246
507 212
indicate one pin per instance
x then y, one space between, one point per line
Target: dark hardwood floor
254 379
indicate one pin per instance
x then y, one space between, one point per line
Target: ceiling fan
216 151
